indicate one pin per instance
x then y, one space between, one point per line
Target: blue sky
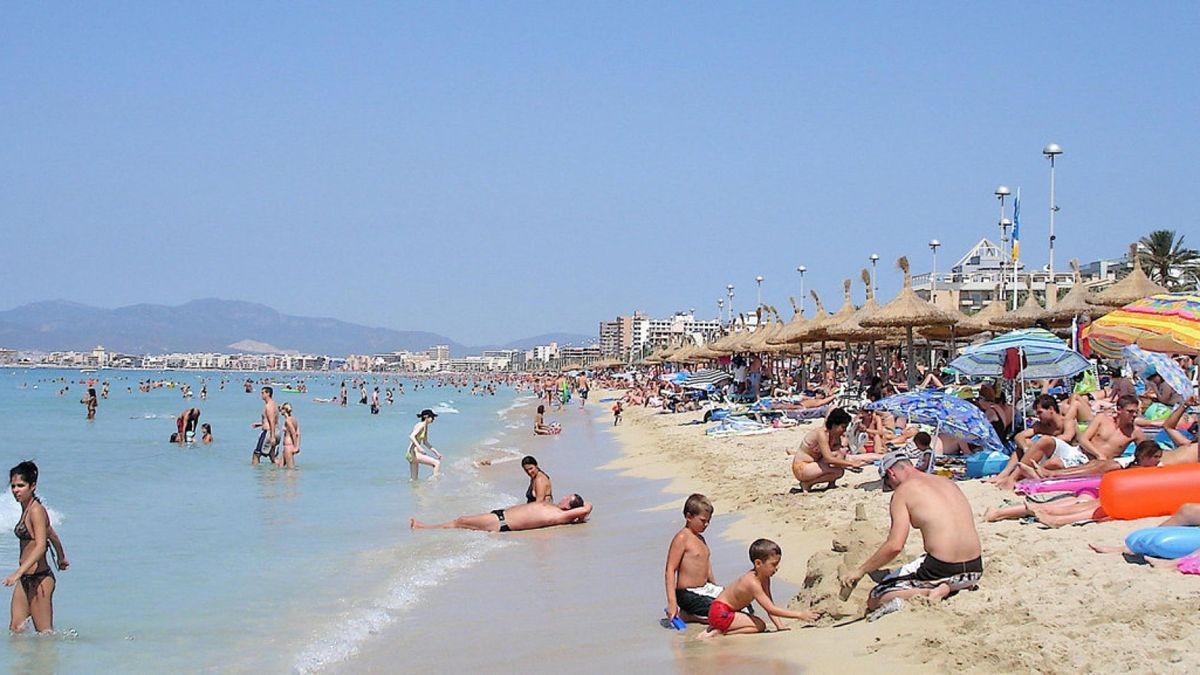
496 170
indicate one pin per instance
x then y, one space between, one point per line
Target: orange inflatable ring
1147 492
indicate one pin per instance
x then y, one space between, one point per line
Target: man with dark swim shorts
531 516
268 440
938 508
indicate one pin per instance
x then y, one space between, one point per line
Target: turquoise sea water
188 558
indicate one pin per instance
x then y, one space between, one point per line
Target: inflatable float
1170 543
1135 493
1080 485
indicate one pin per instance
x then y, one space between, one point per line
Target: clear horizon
486 172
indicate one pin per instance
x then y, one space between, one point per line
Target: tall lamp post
1051 151
1005 225
758 280
1001 192
874 279
720 308
802 269
933 246
729 288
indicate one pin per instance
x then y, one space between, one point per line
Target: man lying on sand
530 516
938 508
1070 511
725 615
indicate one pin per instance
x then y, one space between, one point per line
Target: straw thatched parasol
1024 316
1074 304
793 328
981 321
759 343
1135 286
816 329
850 329
907 310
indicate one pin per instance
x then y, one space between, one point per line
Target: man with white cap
935 506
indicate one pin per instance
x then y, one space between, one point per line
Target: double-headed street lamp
758 279
729 288
874 279
1002 192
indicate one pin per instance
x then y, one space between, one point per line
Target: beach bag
1089 383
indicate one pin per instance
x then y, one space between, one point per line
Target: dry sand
1046 603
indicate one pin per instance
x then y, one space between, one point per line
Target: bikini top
21 530
529 493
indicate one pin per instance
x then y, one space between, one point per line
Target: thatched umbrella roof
816 329
1135 286
907 310
1075 303
791 329
981 321
851 329
1024 316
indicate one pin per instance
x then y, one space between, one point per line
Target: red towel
1012 363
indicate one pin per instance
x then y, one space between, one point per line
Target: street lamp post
729 289
720 308
1001 192
933 246
758 280
1005 224
1051 151
874 279
802 269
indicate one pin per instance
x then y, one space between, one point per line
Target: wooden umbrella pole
912 361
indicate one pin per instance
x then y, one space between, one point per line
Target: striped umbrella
1045 356
1165 322
1171 372
703 378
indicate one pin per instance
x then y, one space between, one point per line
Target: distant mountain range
213 325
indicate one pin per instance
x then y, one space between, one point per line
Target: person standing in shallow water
420 451
91 402
33 582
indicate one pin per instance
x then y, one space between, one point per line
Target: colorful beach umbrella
1171 372
703 378
1044 356
953 416
1166 322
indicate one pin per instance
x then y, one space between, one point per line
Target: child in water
725 615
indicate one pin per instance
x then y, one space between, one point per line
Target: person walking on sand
419 449
937 507
268 443
291 436
33 582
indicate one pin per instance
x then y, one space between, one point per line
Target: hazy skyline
493 171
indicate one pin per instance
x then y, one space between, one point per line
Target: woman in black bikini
33 596
539 483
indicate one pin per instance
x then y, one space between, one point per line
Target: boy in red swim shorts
725 615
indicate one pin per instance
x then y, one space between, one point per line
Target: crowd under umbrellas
896 324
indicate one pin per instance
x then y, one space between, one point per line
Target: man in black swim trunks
937 507
530 516
268 440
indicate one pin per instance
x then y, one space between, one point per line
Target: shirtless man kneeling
937 507
530 516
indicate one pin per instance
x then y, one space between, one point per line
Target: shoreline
1042 599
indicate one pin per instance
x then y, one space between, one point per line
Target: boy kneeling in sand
725 615
691 587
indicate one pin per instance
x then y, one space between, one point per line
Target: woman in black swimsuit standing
539 483
33 595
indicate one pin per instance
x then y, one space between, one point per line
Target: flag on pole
1016 249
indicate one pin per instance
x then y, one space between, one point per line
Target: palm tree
1167 261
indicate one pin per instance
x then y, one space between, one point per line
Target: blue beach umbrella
953 416
1172 373
1044 356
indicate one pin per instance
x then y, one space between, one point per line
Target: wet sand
582 597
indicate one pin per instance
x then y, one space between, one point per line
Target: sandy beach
1047 603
